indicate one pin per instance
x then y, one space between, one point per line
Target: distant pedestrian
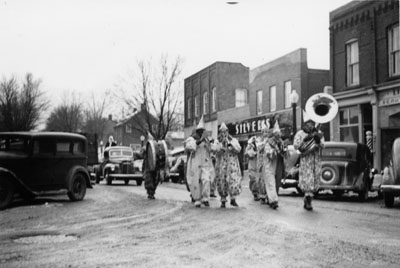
111 142
199 165
309 141
228 173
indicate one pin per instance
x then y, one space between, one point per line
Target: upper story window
272 99
394 50
196 106
259 101
240 97
352 66
189 108
205 102
128 128
288 90
214 99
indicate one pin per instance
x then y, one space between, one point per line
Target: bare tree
156 95
21 107
95 122
68 116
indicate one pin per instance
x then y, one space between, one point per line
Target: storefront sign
389 97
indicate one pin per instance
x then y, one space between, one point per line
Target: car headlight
327 174
112 168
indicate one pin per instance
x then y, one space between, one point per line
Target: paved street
116 226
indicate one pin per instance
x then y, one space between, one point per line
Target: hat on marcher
200 125
277 129
223 127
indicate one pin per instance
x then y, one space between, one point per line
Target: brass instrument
321 108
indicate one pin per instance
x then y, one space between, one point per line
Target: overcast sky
87 45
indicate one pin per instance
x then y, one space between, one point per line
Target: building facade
218 87
365 75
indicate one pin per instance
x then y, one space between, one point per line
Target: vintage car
346 166
390 186
177 161
118 164
32 163
291 170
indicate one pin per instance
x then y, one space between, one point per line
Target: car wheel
139 182
78 187
126 181
330 175
389 199
7 189
108 177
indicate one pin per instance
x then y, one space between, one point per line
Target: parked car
391 176
177 161
346 166
35 162
118 164
291 172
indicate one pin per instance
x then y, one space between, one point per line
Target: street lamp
294 97
101 146
142 138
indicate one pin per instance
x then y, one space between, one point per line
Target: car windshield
116 153
335 152
13 144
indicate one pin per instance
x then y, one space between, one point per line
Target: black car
346 166
36 162
118 164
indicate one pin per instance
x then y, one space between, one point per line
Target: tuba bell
321 108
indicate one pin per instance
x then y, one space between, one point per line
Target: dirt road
116 226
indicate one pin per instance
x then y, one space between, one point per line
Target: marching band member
228 173
310 159
199 165
270 149
254 178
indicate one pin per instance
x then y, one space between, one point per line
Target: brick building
218 87
270 87
365 74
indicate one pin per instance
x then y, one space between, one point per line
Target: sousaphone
320 108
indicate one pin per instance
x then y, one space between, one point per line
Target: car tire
77 189
7 189
335 178
363 194
107 177
139 182
126 181
389 199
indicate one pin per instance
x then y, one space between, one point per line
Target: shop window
348 123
